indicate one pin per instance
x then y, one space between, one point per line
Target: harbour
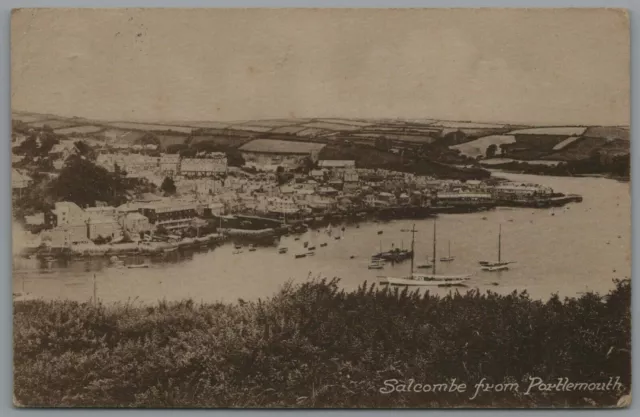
567 250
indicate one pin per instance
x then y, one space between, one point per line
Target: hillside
424 139
411 132
560 143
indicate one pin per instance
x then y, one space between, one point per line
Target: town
160 201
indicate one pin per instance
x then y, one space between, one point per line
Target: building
19 182
337 164
170 215
284 153
282 206
65 235
319 203
66 213
215 164
463 198
520 192
62 150
134 224
103 227
351 181
169 164
102 211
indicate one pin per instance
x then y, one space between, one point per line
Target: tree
168 186
235 158
176 148
491 150
83 182
84 150
454 138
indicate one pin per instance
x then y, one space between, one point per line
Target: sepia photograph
321 208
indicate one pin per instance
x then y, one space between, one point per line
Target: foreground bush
314 345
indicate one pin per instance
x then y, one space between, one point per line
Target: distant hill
470 138
555 143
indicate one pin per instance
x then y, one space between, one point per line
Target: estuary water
570 250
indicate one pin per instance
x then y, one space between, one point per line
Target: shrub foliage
314 345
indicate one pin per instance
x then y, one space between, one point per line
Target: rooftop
328 163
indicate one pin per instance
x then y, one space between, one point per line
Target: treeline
314 345
616 166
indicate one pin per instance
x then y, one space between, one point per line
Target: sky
540 66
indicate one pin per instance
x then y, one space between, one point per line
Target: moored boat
496 268
500 265
422 280
283 250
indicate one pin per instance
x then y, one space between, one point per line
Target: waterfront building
66 213
278 205
134 223
103 227
170 215
65 235
520 191
463 198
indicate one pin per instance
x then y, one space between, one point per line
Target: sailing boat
500 265
448 258
425 279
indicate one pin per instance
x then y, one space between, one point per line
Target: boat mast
413 241
499 242
434 246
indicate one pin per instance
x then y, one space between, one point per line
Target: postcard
321 208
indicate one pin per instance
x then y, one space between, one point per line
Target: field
313 345
150 127
28 118
580 149
479 147
332 126
79 130
222 141
53 123
281 146
350 122
292 130
251 128
554 131
467 125
168 140
312 131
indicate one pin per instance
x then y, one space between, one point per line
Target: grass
314 345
